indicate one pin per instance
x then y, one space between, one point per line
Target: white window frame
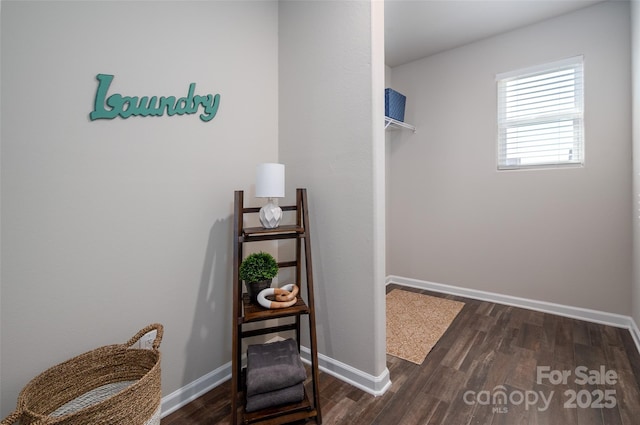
524 115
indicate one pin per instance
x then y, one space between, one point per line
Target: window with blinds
540 116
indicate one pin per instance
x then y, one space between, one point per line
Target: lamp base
270 215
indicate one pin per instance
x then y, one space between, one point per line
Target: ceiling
415 29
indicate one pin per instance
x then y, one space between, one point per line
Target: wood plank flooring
489 351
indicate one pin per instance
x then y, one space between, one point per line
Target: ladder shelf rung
269 330
284 229
254 312
250 210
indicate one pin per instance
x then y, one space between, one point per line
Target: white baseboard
195 389
375 385
595 316
378 385
635 333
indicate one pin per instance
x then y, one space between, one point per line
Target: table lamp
270 184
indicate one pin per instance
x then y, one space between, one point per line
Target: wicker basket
115 384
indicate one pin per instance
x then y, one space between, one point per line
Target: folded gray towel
286 395
273 366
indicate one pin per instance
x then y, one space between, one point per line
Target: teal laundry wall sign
116 105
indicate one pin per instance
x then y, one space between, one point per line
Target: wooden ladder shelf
246 312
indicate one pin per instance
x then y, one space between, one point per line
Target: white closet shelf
391 124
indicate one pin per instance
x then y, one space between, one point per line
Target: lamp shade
270 180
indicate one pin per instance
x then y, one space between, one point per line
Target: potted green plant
257 271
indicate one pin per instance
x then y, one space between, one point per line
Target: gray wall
562 235
635 27
110 225
332 141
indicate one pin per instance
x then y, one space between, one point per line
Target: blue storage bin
394 104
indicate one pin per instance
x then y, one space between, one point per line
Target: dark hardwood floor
547 367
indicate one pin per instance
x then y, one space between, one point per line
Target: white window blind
540 116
